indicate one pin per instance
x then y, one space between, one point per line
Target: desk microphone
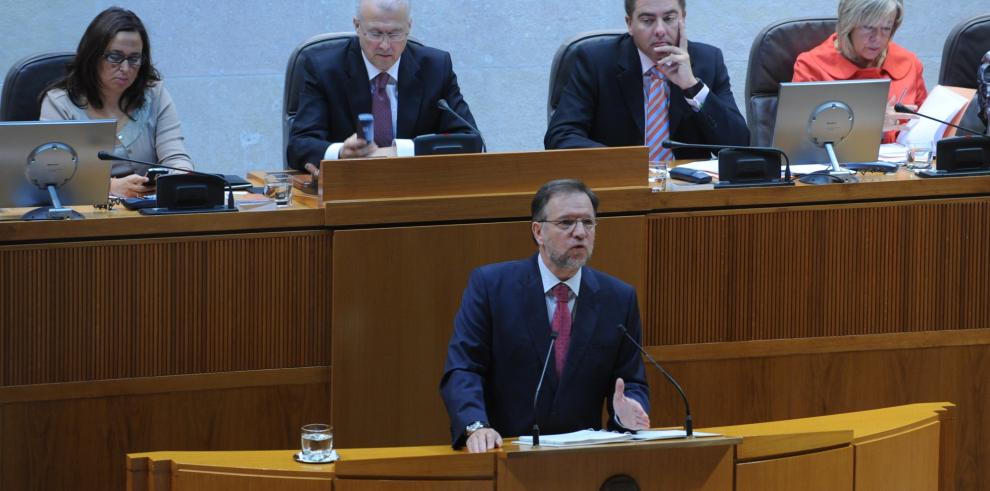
688 424
901 108
442 104
103 155
673 145
539 385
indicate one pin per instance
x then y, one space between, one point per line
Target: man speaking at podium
502 336
381 73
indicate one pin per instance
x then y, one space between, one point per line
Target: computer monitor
36 155
847 114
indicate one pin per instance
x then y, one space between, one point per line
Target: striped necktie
657 120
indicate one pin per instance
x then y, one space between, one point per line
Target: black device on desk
740 166
192 192
690 175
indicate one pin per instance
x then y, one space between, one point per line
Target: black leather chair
771 61
294 79
26 82
563 63
964 47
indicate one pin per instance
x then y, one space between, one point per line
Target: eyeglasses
378 36
116 58
567 225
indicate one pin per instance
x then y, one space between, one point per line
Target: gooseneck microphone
103 155
539 385
901 108
688 423
673 145
442 104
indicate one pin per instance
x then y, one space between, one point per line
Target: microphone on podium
539 385
184 196
688 423
443 105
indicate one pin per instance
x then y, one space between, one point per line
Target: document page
583 437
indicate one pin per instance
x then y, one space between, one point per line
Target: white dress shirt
550 280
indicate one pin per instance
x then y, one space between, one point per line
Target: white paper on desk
893 152
709 166
575 438
646 435
805 169
941 103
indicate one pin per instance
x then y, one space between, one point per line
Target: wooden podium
902 448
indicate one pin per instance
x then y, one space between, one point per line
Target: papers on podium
595 437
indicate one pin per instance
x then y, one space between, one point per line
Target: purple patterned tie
562 324
381 107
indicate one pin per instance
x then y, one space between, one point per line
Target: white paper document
595 437
942 103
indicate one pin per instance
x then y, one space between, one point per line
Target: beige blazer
153 135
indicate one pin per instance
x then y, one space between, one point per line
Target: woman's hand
132 186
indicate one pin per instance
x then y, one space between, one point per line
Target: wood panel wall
109 347
817 271
120 309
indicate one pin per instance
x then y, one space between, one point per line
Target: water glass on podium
317 442
658 175
278 187
920 154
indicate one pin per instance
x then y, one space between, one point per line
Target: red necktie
561 323
381 107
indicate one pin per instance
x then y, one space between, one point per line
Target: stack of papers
594 437
893 152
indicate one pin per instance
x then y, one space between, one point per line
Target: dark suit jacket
336 89
500 342
602 104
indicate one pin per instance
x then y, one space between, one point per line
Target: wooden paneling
121 309
697 468
753 389
393 485
192 480
81 443
908 461
830 470
822 271
396 293
494 173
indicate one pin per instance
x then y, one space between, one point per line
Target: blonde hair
855 13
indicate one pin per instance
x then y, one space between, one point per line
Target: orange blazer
902 67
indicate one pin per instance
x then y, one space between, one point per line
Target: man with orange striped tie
646 86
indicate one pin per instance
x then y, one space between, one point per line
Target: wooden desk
891 448
767 304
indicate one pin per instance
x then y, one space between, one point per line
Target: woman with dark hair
112 77
862 48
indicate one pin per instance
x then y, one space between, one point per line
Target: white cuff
404 148
333 151
699 100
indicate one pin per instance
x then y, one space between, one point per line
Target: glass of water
317 442
278 187
920 154
658 174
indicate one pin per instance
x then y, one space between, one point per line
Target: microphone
688 424
442 104
901 108
673 145
539 385
103 155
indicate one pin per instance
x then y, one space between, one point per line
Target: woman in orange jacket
861 48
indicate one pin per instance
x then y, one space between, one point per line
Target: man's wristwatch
473 427
694 90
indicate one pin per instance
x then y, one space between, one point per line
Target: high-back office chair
26 81
771 61
294 78
964 47
563 62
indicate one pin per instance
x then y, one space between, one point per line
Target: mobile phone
153 175
367 123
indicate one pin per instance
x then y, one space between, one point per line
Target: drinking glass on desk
920 154
658 174
278 187
317 442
